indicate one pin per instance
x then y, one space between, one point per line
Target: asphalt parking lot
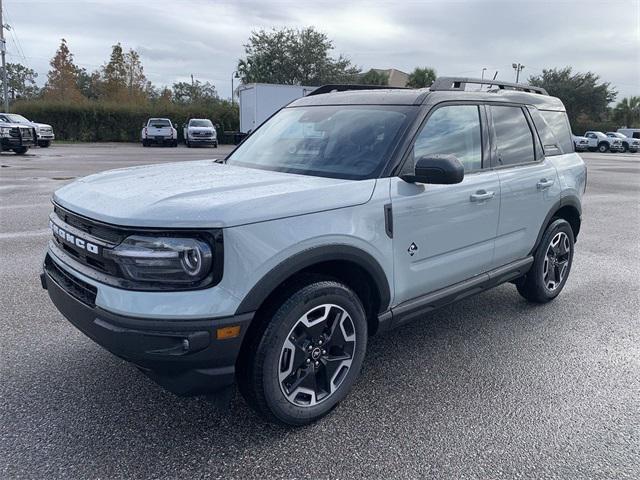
492 387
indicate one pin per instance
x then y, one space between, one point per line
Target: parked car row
197 131
624 140
18 133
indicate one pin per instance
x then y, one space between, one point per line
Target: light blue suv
349 212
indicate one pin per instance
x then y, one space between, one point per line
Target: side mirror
436 169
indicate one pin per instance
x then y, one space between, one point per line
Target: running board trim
416 307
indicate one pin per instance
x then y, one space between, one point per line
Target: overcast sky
205 38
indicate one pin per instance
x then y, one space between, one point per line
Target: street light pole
3 49
233 75
518 68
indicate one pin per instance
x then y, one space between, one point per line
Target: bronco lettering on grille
74 240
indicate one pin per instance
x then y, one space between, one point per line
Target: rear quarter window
554 130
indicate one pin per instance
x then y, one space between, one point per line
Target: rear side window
559 125
513 136
453 130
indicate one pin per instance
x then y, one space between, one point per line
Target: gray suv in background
351 211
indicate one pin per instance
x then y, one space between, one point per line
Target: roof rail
459 83
346 87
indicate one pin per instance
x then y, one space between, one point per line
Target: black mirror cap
436 169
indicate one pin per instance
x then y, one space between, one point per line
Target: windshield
200 123
16 118
159 122
351 142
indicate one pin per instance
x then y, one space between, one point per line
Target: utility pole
3 49
518 68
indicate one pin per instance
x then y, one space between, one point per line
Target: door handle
481 195
544 183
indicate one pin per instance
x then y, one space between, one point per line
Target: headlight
4 131
163 259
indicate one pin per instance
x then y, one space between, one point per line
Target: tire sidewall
559 225
274 339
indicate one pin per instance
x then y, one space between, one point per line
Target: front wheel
603 147
20 150
44 143
304 357
551 264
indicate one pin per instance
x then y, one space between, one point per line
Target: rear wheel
302 360
603 147
551 264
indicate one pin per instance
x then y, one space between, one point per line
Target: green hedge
109 122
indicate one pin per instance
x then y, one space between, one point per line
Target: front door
444 234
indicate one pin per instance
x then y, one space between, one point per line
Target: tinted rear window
159 123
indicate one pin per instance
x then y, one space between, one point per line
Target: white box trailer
258 101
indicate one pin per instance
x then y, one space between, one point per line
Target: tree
62 79
21 82
421 77
627 112
89 83
114 75
374 77
583 94
194 92
293 57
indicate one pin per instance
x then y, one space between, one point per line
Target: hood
41 125
204 194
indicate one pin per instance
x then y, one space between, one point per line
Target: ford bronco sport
349 212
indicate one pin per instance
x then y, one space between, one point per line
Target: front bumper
14 142
183 356
203 140
46 136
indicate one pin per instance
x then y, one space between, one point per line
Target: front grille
27 133
75 287
98 233
14 132
95 229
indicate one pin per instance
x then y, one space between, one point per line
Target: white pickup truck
159 131
598 141
628 144
200 131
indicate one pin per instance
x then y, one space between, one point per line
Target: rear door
529 183
444 234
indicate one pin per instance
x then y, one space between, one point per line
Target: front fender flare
307 258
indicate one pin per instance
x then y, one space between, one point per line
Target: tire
215 145
145 143
553 254
20 150
603 147
288 346
44 144
186 142
174 143
625 147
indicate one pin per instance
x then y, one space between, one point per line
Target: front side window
513 136
453 130
338 141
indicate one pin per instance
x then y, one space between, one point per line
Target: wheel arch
568 208
350 265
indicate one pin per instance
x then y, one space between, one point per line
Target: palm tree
627 112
